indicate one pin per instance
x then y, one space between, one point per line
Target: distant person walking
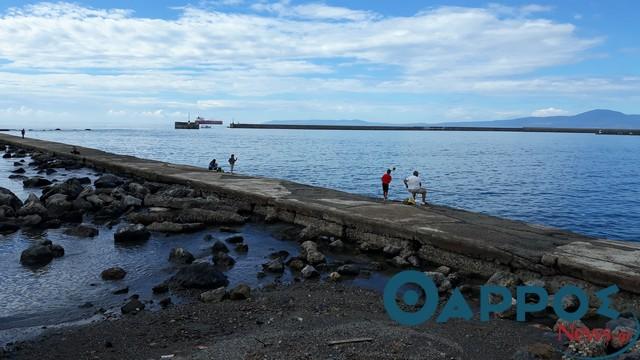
386 181
232 162
414 185
22 132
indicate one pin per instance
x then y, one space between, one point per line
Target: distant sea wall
439 128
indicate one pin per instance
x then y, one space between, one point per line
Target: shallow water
52 294
581 182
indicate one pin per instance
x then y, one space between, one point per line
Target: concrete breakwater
476 243
598 131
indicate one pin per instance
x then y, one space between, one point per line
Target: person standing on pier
22 132
414 185
232 161
386 180
213 165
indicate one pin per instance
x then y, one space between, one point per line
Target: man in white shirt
414 185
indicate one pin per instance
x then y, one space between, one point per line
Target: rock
219 246
441 281
620 322
621 336
57 204
18 177
455 279
6 156
242 248
349 270
588 348
84 180
334 276
17 163
296 264
200 276
37 255
240 292
506 279
9 199
181 256
86 305
236 239
131 201
36 182
95 201
310 232
568 325
336 245
31 220
82 230
33 206
132 307
400 262
72 188
413 260
281 254
139 190
311 253
113 273
57 250
630 356
130 233
165 302
214 295
19 171
445 270
170 227
108 181
226 229
309 272
274 266
392 250
536 351
223 259
160 289
124 290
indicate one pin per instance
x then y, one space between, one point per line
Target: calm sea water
582 182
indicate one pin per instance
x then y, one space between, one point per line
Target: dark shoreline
597 131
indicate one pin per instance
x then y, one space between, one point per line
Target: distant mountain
590 119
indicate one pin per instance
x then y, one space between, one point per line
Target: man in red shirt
386 180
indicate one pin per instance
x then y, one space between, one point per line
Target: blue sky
136 63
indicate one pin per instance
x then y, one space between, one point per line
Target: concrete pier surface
439 235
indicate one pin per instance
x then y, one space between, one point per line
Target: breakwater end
597 131
477 243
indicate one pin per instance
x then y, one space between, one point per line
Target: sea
585 183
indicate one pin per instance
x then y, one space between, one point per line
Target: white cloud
551 111
205 57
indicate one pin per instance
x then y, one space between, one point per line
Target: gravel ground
292 322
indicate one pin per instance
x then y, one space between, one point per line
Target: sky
132 63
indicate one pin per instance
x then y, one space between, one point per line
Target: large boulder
240 292
274 266
133 306
57 205
10 199
130 233
223 259
181 256
36 182
72 188
311 253
41 253
33 206
108 181
200 276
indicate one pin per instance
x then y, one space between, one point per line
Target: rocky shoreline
137 208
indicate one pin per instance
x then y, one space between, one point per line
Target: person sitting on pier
414 185
213 166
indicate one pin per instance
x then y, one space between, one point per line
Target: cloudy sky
126 63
